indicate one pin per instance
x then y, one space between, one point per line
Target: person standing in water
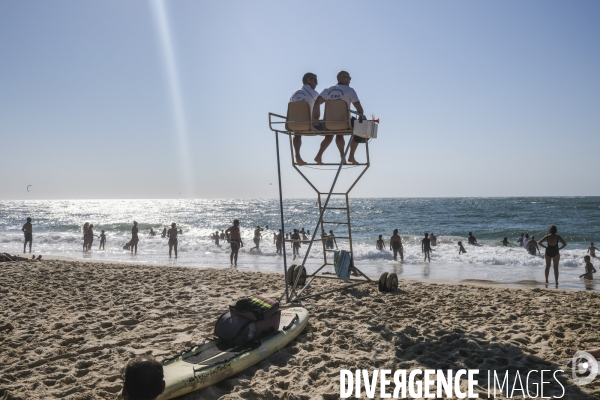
172 235
164 232
396 245
532 246
472 239
330 242
235 241
552 254
461 249
589 269
257 237
102 240
521 239
433 239
216 238
278 242
380 244
134 238
592 250
28 232
505 242
426 247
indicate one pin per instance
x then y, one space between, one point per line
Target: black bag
251 318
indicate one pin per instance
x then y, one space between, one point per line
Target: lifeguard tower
337 121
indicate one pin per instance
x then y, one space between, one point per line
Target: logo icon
584 368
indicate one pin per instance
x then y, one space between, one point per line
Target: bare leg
353 147
175 250
547 272
556 259
170 249
235 254
324 144
401 254
395 253
339 141
231 257
29 247
297 145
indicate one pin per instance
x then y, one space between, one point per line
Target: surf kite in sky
28 187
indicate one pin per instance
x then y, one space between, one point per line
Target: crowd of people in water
552 243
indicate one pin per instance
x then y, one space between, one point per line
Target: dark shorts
329 244
235 245
256 241
28 237
172 241
396 245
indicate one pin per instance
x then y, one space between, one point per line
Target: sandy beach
78 323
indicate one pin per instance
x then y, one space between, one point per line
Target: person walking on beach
521 239
592 250
380 245
396 245
505 242
172 235
134 238
257 237
589 269
552 254
472 239
532 246
102 240
235 241
28 232
426 247
433 239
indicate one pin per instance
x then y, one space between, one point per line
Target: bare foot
353 161
318 161
300 161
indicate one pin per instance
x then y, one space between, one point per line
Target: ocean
58 231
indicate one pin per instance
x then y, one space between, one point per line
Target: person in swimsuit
172 235
257 237
526 240
90 237
330 242
426 247
592 250
235 241
396 245
278 242
380 245
532 246
216 238
505 242
28 232
552 251
472 239
521 239
461 249
222 235
295 238
102 240
589 269
433 239
134 238
164 233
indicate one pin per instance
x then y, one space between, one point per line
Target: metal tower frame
274 121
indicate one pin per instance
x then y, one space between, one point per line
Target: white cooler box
365 129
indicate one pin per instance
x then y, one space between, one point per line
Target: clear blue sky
100 99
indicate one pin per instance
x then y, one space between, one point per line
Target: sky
170 99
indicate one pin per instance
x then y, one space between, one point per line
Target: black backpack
251 318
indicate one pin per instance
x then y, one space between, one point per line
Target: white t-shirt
343 92
307 94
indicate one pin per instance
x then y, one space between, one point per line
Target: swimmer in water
396 245
589 269
380 243
592 250
461 249
433 239
505 242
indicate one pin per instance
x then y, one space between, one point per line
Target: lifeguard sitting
308 94
341 91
